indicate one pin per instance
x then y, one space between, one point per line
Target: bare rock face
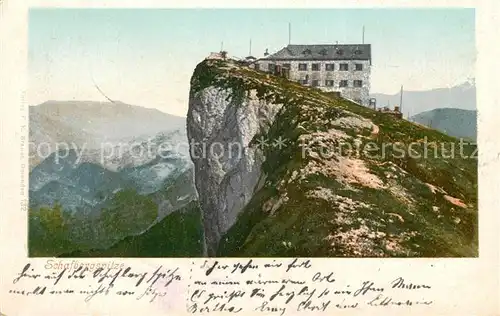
227 169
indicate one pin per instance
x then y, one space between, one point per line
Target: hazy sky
146 56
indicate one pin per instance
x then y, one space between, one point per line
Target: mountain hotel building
342 68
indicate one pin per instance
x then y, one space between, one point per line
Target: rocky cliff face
228 170
285 170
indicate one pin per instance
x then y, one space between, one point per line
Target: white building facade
342 68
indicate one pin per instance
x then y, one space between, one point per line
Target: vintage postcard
299 160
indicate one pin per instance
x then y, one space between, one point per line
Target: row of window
330 67
317 67
330 83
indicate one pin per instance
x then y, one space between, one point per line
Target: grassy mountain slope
177 235
55 231
330 193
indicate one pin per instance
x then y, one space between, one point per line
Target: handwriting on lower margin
122 282
248 291
246 286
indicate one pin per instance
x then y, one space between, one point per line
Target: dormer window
358 52
340 52
323 52
306 51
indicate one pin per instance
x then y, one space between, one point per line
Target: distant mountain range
87 186
454 122
102 171
460 97
103 147
93 125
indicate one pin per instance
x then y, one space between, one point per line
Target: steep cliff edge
285 170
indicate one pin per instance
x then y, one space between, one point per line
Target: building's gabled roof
323 52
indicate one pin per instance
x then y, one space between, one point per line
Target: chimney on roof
266 53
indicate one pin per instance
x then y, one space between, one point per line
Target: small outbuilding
217 56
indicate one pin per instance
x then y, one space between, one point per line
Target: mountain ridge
452 121
297 201
108 171
93 125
